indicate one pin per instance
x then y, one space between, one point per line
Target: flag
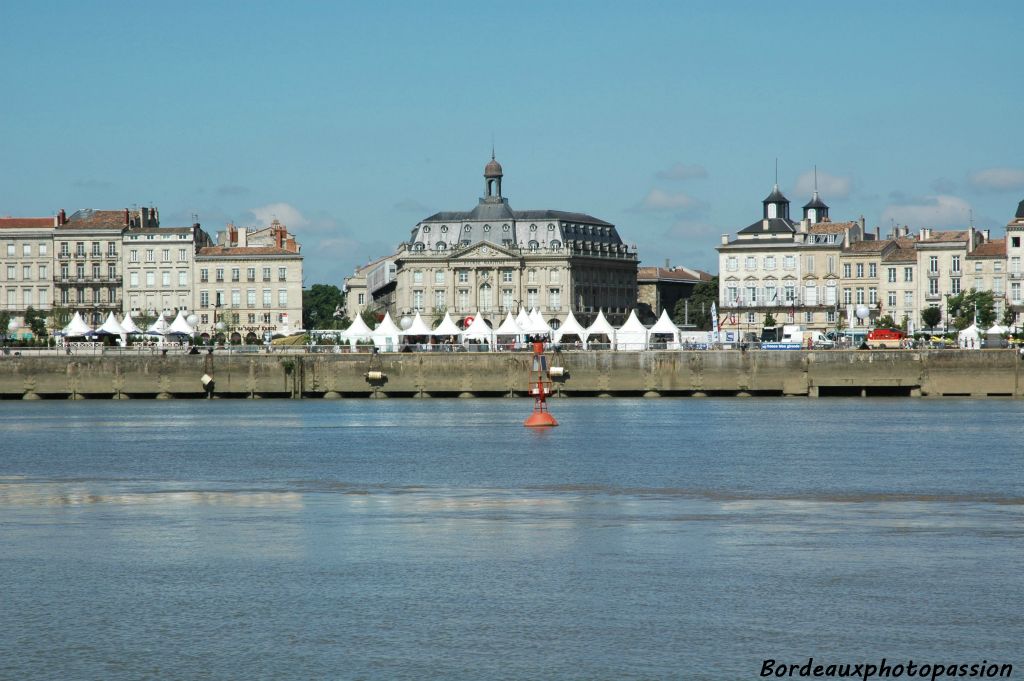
714 322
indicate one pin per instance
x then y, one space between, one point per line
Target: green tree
1009 317
320 305
886 322
370 317
699 305
5 319
769 320
972 305
35 321
931 316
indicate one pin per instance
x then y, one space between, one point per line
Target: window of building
43 270
149 255
1015 291
830 264
978 282
182 278
252 317
44 297
789 290
997 286
769 262
892 299
556 275
555 299
955 285
361 299
908 299
933 263
732 293
96 249
65 250
438 298
860 270
438 276
860 296
44 249
808 317
462 301
750 263
220 274
250 274
182 255
506 299
532 298
236 297
80 271
235 274
165 279
846 270
751 317
282 274
26 272
26 250
79 249
751 295
112 272
463 276
531 276
267 297
872 270
150 279
997 266
250 297
933 287
165 255
204 275
872 295
282 297
417 276
771 295
731 264
847 296
1015 241
892 274
133 255
831 293
830 317
266 274
956 263
484 299
204 298
908 274
809 263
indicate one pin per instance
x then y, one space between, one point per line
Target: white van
792 333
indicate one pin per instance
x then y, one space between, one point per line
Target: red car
885 338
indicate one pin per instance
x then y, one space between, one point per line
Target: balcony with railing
87 279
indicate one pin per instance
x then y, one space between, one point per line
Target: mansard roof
775 226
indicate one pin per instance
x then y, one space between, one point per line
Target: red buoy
540 388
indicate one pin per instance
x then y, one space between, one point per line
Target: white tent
356 331
129 325
632 335
180 325
510 328
417 328
112 328
665 326
969 338
447 327
386 334
76 327
479 330
524 321
601 327
997 330
570 327
540 327
160 326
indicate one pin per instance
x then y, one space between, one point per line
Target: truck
795 337
885 338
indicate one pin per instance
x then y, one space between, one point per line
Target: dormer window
441 246
467 228
444 229
533 228
556 245
534 245
418 246
505 228
426 229
487 228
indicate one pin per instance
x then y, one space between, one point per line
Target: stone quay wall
985 373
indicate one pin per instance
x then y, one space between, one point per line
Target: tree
769 320
699 305
886 322
972 305
36 322
931 316
1009 318
5 320
370 317
320 304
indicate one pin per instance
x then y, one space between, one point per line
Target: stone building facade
28 261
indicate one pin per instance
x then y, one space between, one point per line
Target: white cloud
829 186
998 179
658 200
683 171
931 211
287 214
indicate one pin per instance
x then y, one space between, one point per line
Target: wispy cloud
661 201
829 186
942 210
232 190
287 214
682 171
412 206
998 179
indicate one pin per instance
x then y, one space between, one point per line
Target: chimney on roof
62 218
805 225
987 235
725 239
970 239
878 233
764 224
126 217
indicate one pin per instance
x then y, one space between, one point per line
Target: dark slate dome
492 169
1020 210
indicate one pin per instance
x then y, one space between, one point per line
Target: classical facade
27 248
252 289
493 259
159 265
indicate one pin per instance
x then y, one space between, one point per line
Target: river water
439 539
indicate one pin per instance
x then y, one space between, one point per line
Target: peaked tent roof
996 330
112 327
417 328
539 325
447 327
601 326
664 325
570 327
159 326
181 325
509 327
129 325
386 329
76 327
479 330
524 321
357 330
631 334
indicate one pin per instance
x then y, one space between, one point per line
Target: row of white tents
632 335
77 327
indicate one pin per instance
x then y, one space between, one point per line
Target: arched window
505 228
426 229
534 244
551 228
444 229
556 245
466 228
487 228
418 246
441 246
485 297
533 228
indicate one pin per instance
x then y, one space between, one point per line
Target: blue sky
352 121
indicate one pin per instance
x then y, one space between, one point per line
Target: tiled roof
901 255
25 223
994 248
673 274
95 219
873 246
945 237
243 251
831 227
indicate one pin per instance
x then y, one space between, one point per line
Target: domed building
494 259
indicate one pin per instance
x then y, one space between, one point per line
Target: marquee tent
160 326
128 324
417 328
510 328
478 330
76 327
570 327
664 326
112 328
540 327
523 321
632 335
356 331
386 334
447 327
181 326
969 338
601 327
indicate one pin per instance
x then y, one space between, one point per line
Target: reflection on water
437 539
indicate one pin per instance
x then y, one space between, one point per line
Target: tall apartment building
27 271
251 288
159 266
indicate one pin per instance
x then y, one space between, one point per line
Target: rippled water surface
422 539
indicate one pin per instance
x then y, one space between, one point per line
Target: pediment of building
484 250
